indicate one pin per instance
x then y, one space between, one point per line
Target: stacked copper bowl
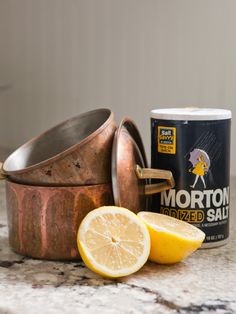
56 178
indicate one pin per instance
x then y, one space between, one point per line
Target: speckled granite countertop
204 283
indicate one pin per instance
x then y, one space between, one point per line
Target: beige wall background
59 58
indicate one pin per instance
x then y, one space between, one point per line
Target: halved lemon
113 241
172 240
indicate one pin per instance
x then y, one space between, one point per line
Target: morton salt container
194 144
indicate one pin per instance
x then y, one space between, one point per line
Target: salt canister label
194 144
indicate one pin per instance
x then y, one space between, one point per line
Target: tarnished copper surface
130 175
85 162
128 151
43 221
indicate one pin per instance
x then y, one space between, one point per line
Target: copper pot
130 173
75 152
43 221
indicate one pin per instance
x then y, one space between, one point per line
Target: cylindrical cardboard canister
194 144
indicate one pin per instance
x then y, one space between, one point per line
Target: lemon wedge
113 241
172 240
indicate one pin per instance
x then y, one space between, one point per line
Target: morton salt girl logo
200 165
197 205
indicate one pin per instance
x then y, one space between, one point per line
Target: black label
198 154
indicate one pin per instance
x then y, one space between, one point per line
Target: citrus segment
172 240
113 241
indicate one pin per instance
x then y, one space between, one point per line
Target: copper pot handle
149 173
2 174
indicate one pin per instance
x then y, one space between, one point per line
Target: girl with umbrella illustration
201 163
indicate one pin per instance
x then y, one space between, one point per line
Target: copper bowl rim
132 129
66 151
50 187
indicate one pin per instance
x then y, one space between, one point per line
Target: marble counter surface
203 283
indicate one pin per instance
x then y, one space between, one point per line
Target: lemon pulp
113 241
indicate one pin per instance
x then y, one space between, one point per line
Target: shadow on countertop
40 273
